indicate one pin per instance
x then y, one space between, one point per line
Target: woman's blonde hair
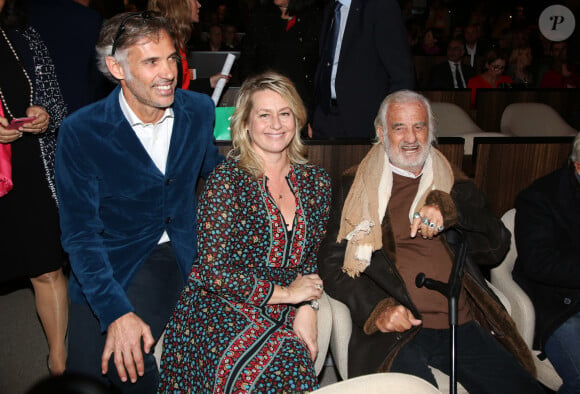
242 149
178 13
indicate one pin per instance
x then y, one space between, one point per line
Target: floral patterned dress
223 337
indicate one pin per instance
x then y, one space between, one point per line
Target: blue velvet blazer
115 203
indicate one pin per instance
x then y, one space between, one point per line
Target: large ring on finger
440 228
425 221
431 225
416 215
320 287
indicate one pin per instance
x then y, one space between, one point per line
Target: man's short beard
396 158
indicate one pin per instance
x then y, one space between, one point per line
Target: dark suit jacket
375 60
115 203
442 76
548 267
70 32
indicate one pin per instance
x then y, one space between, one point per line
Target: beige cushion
453 121
534 120
380 383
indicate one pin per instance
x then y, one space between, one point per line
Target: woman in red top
182 14
492 77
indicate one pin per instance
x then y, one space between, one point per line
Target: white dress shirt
155 138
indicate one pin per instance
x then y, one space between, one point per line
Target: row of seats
517 119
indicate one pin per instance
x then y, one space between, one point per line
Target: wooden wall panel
506 166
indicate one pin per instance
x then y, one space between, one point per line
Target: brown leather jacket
380 285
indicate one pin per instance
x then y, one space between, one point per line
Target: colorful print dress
223 337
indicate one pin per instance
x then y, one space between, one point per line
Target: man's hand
124 340
305 326
428 221
396 318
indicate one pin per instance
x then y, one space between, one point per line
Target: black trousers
483 364
153 293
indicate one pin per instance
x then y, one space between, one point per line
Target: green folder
222 130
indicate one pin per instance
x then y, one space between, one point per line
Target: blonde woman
246 321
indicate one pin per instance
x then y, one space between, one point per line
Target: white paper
217 92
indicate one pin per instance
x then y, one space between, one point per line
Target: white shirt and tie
343 17
457 73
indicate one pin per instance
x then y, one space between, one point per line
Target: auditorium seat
534 120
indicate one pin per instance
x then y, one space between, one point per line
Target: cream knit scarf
367 201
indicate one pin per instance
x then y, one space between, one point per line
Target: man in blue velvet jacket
127 169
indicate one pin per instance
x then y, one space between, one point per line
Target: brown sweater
421 255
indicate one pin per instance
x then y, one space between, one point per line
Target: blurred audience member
230 38
29 230
519 70
548 265
215 40
430 43
452 74
283 36
492 77
181 14
70 32
439 18
475 46
560 76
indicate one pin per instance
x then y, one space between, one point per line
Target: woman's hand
303 288
40 122
213 80
306 328
8 135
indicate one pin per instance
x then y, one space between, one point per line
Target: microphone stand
451 291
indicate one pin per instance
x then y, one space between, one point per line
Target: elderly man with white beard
403 199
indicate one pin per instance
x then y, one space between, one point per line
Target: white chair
380 383
522 309
452 121
534 120
324 331
340 337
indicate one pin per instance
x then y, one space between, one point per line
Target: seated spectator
215 40
548 264
452 74
404 197
246 321
519 69
560 76
475 46
492 77
230 38
430 43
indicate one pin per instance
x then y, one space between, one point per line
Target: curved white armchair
535 120
340 337
453 121
522 309
380 383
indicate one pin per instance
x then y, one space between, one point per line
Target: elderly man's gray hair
401 97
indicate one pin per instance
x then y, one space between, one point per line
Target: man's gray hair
575 156
406 96
135 27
